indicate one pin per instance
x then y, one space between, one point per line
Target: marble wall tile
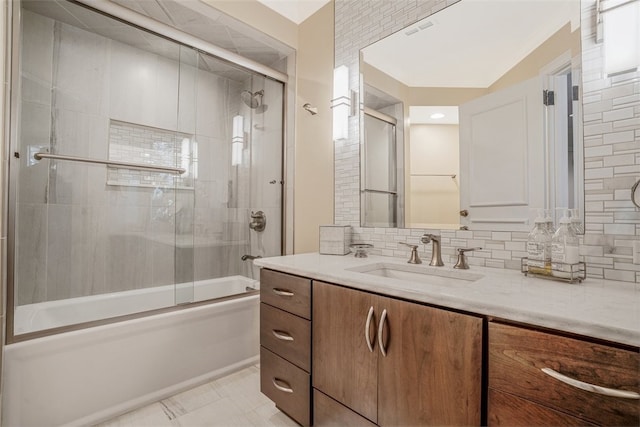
79 70
143 87
76 251
37 54
30 274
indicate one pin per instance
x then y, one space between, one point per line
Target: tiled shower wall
612 152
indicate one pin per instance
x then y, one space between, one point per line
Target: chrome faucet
436 254
413 258
250 257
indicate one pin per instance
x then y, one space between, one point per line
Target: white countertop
603 309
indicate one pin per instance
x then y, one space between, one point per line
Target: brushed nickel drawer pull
367 326
282 292
380 329
591 387
285 387
281 335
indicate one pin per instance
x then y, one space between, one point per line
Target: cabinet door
343 366
432 373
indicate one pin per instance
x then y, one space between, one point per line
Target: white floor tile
234 400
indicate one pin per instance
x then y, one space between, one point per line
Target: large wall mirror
471 118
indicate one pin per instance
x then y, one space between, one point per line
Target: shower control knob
258 221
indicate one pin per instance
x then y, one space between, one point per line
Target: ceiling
486 36
295 10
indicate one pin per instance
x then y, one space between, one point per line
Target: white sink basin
418 273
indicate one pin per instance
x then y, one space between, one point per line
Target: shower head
253 100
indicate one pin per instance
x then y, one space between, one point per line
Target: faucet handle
462 260
414 258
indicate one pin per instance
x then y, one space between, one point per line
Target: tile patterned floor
234 400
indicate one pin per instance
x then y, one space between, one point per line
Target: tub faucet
250 257
436 255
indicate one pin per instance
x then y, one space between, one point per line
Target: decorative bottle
539 248
565 249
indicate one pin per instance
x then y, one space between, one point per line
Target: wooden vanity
335 355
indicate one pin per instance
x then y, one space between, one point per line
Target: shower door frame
11 118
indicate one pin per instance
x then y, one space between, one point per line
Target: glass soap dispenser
565 249
539 248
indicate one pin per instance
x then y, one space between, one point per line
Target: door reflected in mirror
511 151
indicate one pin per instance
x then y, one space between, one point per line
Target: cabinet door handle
591 387
282 292
367 327
281 335
285 387
383 319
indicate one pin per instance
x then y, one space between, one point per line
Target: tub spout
250 257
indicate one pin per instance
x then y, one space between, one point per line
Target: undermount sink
418 273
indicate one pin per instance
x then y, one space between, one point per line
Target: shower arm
124 165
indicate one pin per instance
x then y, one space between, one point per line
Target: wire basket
560 271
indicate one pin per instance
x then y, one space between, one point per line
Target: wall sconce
618 27
343 102
237 140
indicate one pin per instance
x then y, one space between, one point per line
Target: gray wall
612 152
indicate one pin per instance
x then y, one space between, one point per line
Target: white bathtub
52 314
90 375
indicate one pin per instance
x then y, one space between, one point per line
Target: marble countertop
603 309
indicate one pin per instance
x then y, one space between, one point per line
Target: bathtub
53 314
90 375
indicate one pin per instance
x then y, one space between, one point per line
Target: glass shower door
379 198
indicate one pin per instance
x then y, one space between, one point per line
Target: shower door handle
282 292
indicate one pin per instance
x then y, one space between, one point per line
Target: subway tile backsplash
611 115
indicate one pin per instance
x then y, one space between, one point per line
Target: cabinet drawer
513 411
287 335
290 293
517 357
287 385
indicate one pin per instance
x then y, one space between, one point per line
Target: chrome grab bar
590 387
124 165
383 319
367 326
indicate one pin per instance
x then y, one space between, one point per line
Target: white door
502 168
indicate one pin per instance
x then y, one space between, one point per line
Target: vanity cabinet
395 362
285 343
541 378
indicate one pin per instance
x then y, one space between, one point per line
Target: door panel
432 372
502 173
343 366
